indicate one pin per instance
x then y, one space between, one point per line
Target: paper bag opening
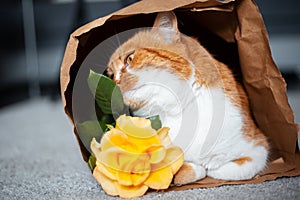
234 32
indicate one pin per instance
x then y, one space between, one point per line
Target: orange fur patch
186 174
199 79
162 59
242 160
238 97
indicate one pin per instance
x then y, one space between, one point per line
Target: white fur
233 171
199 170
203 122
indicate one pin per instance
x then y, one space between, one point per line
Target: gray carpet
40 159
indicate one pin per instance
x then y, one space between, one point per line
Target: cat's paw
189 173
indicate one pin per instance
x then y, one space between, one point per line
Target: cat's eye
129 59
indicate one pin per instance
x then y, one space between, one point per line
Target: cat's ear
167 22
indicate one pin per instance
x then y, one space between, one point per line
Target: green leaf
107 94
107 119
155 122
89 130
92 162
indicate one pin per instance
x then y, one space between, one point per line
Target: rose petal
131 179
164 137
139 178
109 172
134 169
113 158
114 138
142 144
141 165
117 138
134 163
175 158
160 179
130 191
96 148
157 153
124 178
120 160
107 184
135 126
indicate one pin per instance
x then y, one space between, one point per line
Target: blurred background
34 34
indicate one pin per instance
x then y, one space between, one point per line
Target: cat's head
160 46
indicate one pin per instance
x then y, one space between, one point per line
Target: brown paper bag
239 29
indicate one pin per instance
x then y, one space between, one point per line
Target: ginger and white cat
162 72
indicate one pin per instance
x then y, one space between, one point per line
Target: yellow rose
134 157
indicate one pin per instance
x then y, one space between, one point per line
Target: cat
163 72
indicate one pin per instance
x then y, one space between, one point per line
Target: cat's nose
117 77
117 81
